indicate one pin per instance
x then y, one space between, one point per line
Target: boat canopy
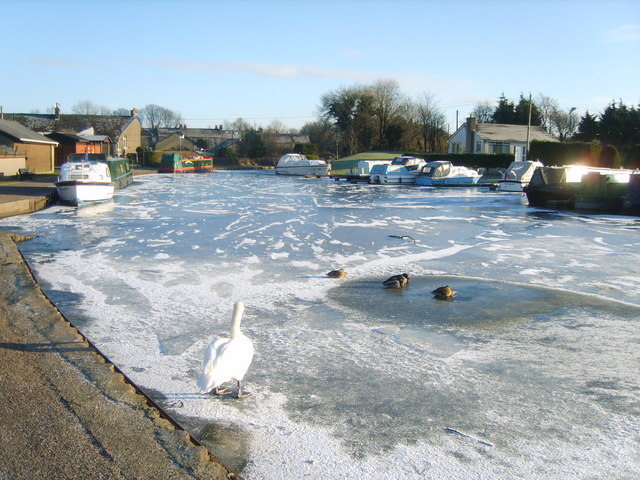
171 160
521 170
436 169
411 163
293 159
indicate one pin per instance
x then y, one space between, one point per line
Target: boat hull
176 170
391 179
77 192
304 170
511 186
458 181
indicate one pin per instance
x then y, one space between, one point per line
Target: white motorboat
297 164
442 172
401 170
84 181
518 175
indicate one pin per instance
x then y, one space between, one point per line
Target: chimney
471 128
134 112
57 111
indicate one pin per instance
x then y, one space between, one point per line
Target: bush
632 158
609 157
309 150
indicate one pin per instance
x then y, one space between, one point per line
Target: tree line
379 116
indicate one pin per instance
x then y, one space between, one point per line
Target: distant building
81 142
192 139
23 148
473 137
124 132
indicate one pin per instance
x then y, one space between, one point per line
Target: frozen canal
532 371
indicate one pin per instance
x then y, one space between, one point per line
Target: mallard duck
227 359
445 293
396 281
340 273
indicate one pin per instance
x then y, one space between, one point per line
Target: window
499 147
478 146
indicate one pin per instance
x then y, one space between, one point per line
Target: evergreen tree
505 111
521 113
587 128
620 126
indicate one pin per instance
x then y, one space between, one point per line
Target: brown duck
444 293
397 281
340 273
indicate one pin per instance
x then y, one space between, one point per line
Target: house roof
74 137
513 133
23 134
109 125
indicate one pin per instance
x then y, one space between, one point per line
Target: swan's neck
238 310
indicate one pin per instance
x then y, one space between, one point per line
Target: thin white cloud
623 33
349 53
62 63
412 81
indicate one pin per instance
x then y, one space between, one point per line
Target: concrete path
26 196
65 411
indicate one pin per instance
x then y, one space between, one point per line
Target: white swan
227 359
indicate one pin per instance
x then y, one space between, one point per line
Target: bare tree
271 137
483 112
386 107
87 107
239 125
564 123
547 106
155 116
430 122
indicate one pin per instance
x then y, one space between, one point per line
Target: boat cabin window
399 161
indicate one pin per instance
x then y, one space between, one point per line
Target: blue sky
215 61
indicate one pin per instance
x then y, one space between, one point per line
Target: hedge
567 153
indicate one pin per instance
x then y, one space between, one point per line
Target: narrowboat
85 181
175 163
119 168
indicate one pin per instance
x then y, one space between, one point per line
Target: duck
396 281
340 273
444 293
227 359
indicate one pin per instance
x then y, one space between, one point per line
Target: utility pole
528 157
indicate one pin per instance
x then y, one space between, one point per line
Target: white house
473 137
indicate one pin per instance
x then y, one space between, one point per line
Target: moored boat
593 187
300 165
444 173
602 191
86 181
119 168
174 163
402 170
631 201
202 164
518 176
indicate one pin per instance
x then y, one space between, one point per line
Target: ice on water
531 371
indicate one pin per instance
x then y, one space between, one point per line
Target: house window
499 147
478 146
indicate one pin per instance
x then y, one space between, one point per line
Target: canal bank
66 411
